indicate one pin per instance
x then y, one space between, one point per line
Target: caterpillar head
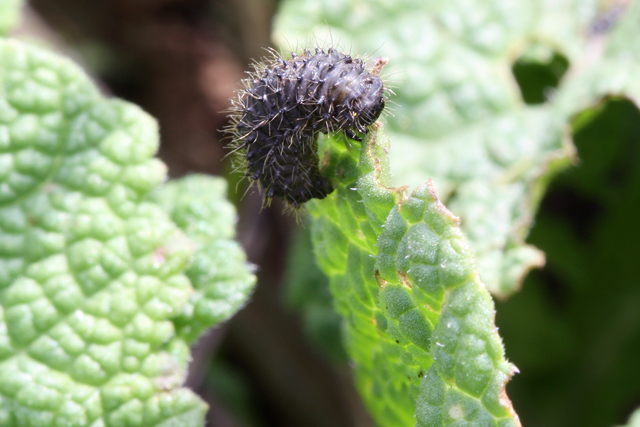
371 103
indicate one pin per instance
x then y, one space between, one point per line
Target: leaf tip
439 205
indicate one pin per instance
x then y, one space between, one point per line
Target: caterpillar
286 103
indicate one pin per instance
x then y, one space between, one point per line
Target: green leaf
418 320
9 14
586 226
459 117
95 290
221 278
634 421
608 68
307 292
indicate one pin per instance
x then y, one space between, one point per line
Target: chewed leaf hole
538 72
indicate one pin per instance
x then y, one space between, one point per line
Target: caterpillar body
285 104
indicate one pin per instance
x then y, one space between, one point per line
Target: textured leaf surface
95 296
418 321
308 292
460 118
220 276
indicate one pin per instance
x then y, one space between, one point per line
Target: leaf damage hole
538 72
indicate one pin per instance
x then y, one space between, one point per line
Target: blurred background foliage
573 329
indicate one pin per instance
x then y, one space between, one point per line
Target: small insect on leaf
285 104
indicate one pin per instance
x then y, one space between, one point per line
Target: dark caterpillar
276 119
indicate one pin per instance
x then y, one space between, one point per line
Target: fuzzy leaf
93 275
418 320
459 117
220 276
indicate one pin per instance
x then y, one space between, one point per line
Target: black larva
276 119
